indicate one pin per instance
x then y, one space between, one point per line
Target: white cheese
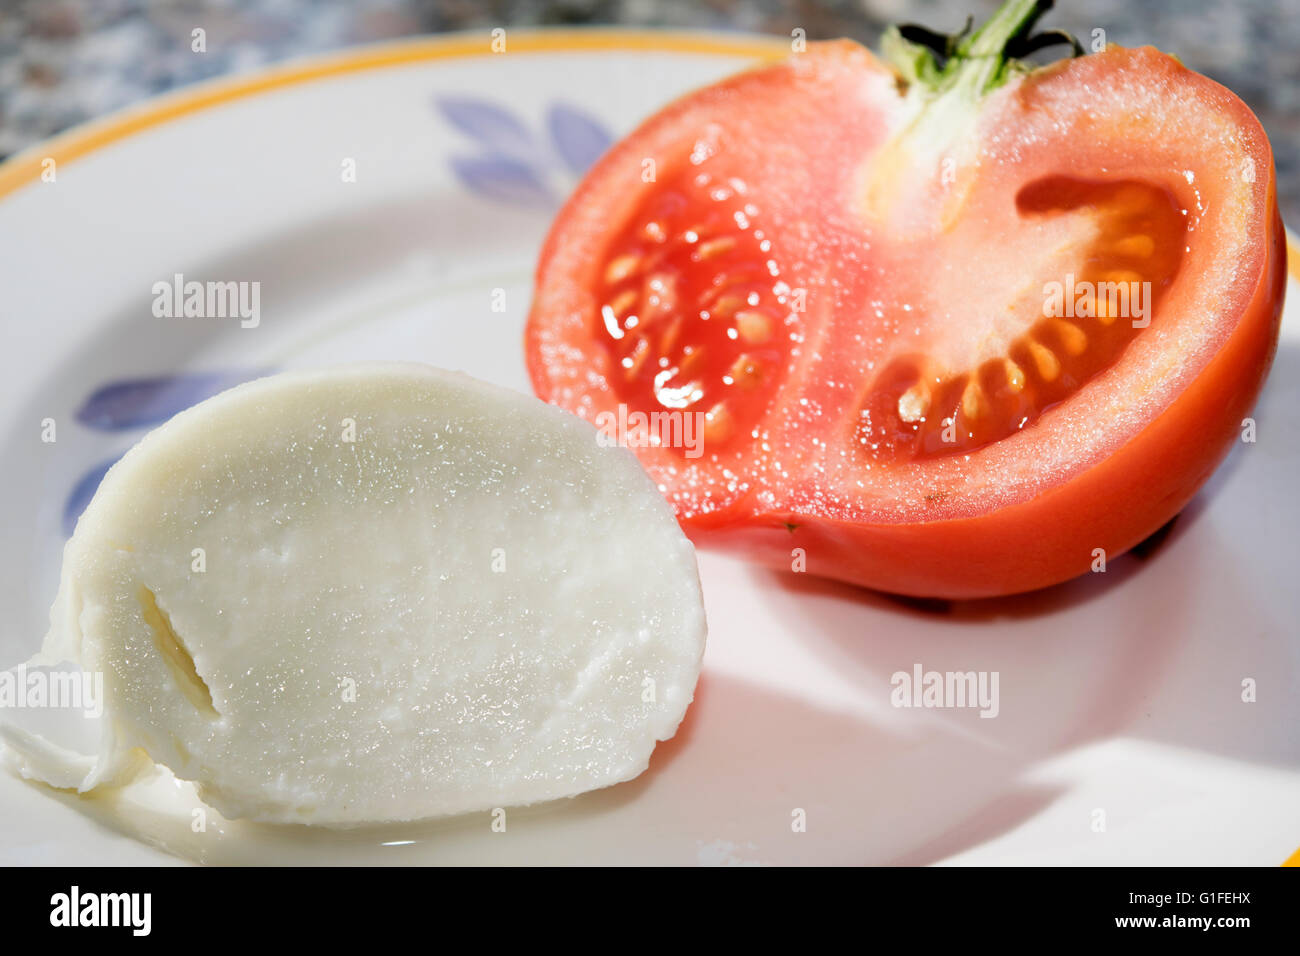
375 593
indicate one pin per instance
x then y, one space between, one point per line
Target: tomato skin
959 550
1050 538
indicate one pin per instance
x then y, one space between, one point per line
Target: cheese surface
375 593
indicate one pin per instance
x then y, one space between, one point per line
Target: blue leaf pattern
82 492
501 177
488 123
141 402
513 164
578 138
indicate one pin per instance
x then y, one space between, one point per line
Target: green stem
972 63
980 62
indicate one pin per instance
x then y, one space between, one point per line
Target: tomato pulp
948 326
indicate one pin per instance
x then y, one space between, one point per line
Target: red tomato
948 330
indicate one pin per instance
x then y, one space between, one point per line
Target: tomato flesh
917 411
692 309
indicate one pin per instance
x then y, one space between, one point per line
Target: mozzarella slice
375 593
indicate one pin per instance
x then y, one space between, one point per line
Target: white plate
1120 692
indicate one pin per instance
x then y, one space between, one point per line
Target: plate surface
391 203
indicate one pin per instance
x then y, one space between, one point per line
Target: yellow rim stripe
26 166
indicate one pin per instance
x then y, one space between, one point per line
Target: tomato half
948 327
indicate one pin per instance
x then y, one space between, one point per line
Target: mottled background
65 61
